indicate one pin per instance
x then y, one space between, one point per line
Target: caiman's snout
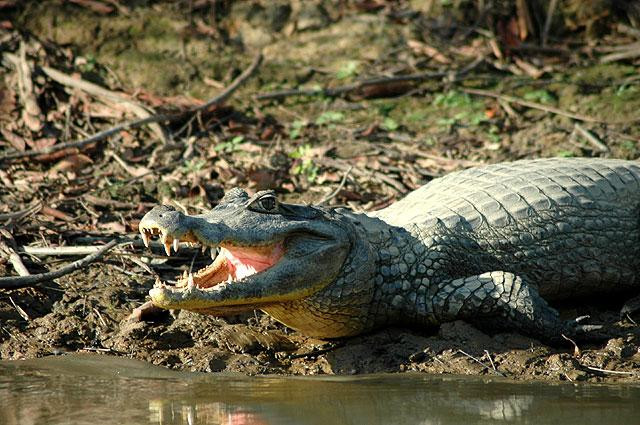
266 253
172 226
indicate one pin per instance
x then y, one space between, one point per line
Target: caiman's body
483 245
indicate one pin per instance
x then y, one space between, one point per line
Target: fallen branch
338 189
22 213
591 138
100 92
496 371
629 51
349 88
143 121
546 108
15 282
14 259
357 171
31 112
609 371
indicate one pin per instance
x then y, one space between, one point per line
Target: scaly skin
484 245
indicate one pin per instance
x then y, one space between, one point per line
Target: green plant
629 145
389 124
87 63
193 165
296 128
329 117
304 164
565 154
541 96
453 99
229 146
350 69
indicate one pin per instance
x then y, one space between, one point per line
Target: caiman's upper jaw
232 263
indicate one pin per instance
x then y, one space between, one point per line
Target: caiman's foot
577 331
504 300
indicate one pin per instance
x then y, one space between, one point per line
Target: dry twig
105 94
349 88
14 259
482 364
144 121
546 108
591 138
344 166
338 189
15 282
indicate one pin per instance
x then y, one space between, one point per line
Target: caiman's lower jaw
232 264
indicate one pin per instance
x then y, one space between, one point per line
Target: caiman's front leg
481 299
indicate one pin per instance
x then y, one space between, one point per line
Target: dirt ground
456 85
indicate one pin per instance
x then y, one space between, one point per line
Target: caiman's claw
583 332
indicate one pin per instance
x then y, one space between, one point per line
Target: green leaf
296 128
329 117
350 69
542 96
565 154
229 146
389 124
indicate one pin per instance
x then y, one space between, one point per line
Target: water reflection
106 390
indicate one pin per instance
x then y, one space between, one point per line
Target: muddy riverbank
572 99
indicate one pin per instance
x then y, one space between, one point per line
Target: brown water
90 389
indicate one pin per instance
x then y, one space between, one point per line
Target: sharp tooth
204 248
213 253
190 282
229 279
175 244
158 283
164 238
145 237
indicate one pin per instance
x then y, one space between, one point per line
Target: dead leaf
42 143
267 133
369 6
94 5
71 163
50 157
8 102
113 226
420 48
261 178
16 141
528 68
384 89
491 112
52 212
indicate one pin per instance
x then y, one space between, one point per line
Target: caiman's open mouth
232 264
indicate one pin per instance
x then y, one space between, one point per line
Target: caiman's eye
267 203
264 201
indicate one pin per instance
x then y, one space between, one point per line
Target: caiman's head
268 253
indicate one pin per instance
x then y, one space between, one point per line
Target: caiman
488 245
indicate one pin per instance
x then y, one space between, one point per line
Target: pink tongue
244 262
